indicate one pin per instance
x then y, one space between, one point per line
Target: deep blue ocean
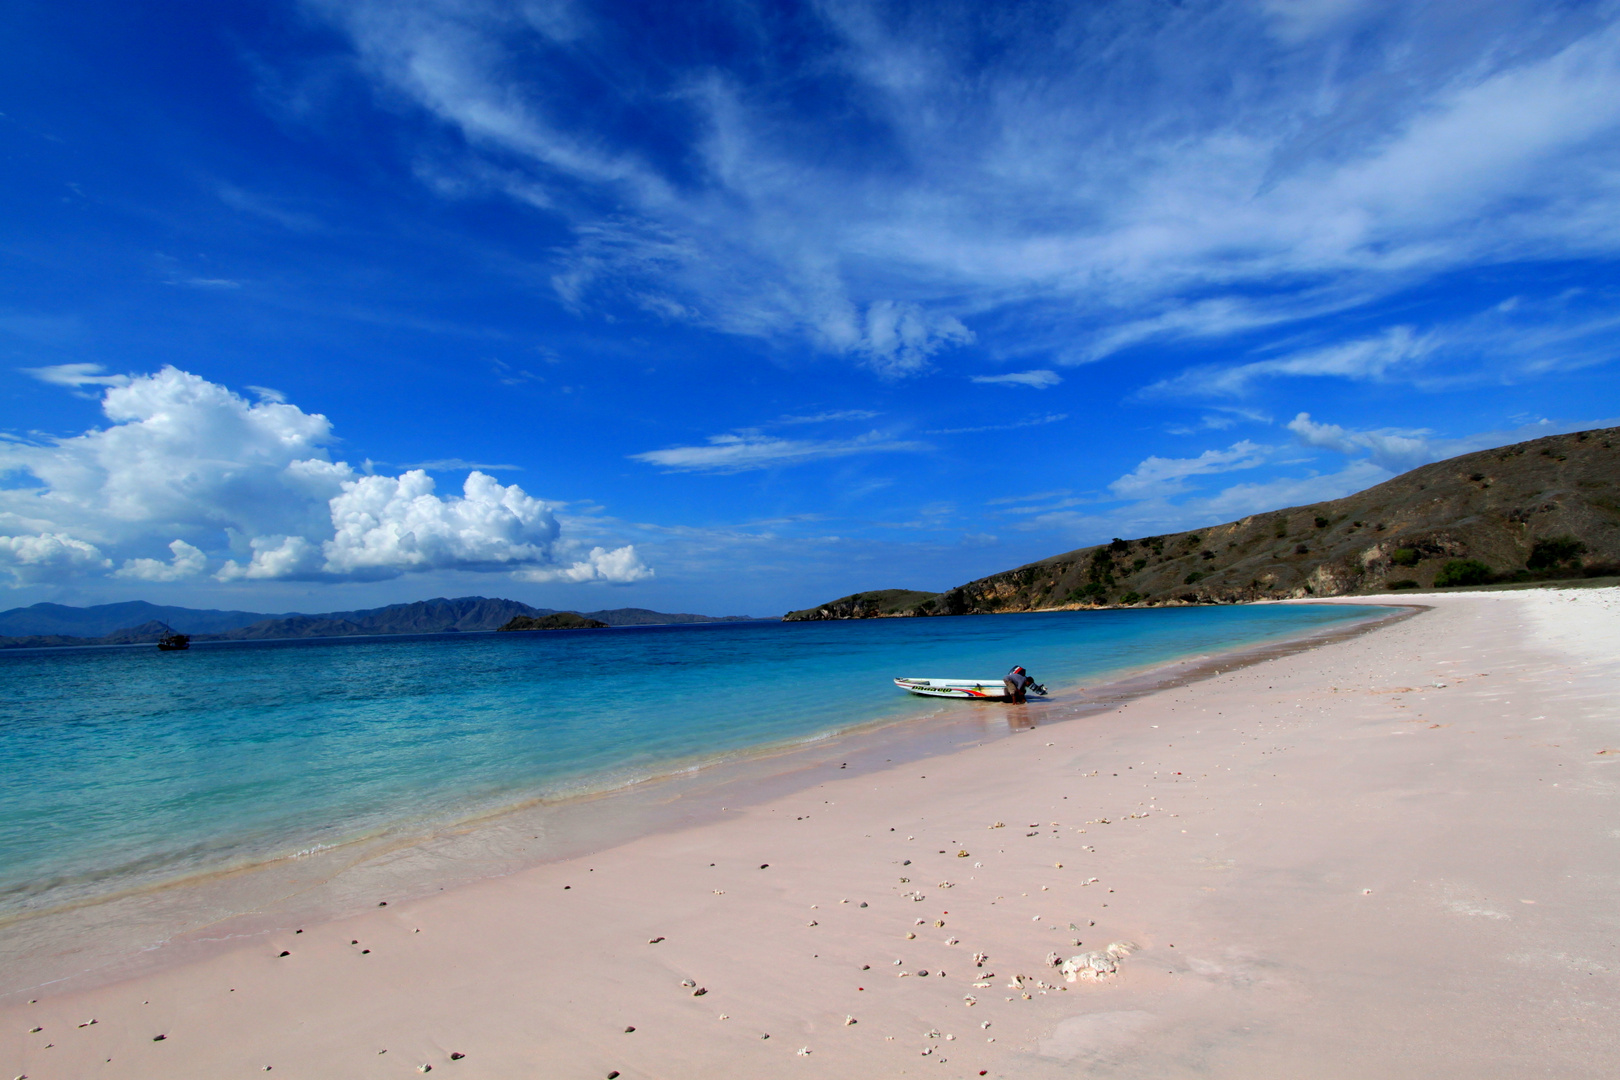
127 767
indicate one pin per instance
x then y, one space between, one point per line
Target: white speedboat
958 688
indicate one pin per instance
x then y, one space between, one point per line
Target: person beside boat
1018 683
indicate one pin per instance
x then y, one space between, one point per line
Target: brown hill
869 605
1547 508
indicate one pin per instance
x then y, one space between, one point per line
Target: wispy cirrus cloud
1035 380
76 375
1364 359
461 465
1158 476
825 417
954 163
741 452
1014 425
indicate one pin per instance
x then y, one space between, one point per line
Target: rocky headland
1547 509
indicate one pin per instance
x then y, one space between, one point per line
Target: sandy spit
1391 856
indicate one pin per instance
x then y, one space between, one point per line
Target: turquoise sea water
127 767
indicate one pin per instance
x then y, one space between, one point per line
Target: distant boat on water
173 642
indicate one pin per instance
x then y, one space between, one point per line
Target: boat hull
982 689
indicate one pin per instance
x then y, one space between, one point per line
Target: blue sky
737 307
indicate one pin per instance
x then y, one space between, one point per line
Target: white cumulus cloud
49 556
391 524
251 484
619 566
187 562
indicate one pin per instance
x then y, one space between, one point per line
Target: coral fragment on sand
1093 966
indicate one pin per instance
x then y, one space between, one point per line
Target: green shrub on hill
1405 557
1462 572
1404 583
1555 551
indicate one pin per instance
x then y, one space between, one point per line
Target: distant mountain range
1539 510
138 621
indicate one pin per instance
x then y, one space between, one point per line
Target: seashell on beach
848 1020
688 983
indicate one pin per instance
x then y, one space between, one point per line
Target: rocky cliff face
1546 508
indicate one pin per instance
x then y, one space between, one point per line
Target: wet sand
1391 855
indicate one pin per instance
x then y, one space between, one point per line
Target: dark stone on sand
159 1038
614 1075
628 1030
457 1056
764 865
284 952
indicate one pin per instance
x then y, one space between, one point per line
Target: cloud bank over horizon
254 483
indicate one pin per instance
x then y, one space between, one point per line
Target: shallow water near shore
130 768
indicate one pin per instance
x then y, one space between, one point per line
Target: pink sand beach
1392 855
